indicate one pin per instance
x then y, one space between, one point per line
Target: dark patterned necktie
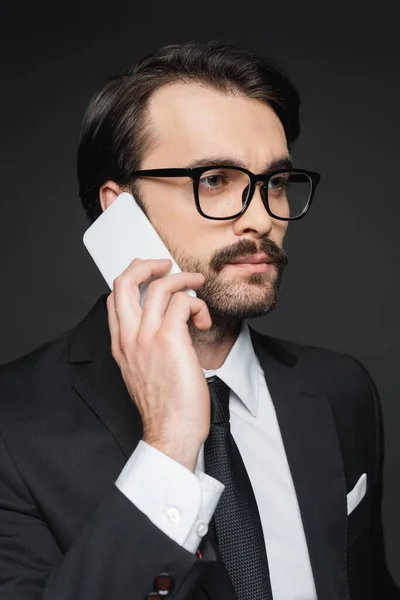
236 522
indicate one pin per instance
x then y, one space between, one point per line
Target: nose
255 219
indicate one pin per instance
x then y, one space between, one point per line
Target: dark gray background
341 290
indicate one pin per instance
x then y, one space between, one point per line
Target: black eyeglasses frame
195 174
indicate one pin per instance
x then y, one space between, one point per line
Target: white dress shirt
185 502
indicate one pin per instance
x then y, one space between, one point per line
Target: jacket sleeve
118 554
384 587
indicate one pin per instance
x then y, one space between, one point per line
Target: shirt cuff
177 501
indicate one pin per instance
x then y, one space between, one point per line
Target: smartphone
120 234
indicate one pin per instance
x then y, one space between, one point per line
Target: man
172 451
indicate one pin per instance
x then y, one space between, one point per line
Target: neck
213 346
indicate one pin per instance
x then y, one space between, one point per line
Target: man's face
192 123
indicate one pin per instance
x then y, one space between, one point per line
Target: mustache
246 247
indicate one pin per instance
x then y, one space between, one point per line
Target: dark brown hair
115 134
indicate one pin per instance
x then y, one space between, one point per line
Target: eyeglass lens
222 192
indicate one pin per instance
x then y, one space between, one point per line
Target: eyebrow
284 162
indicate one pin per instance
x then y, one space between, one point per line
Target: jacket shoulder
307 355
331 366
30 382
342 376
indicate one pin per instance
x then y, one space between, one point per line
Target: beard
232 299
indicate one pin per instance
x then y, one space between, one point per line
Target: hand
154 351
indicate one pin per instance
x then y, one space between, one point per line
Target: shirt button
202 529
173 514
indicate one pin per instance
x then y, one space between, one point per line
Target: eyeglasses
225 192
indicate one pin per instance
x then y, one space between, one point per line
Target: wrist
184 453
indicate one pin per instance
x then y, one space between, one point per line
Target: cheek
175 217
181 223
172 202
279 231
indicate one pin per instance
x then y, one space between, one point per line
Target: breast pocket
358 509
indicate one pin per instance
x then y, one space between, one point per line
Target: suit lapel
100 384
312 448
104 390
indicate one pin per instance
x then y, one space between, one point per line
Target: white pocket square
357 494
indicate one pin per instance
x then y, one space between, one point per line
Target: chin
240 307
236 298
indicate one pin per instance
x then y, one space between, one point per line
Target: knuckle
200 306
180 297
118 282
164 337
142 340
115 349
201 303
125 278
125 341
154 287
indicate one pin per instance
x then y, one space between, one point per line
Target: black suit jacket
68 426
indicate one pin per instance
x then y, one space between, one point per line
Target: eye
212 181
278 182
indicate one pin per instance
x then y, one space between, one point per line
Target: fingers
139 271
166 306
127 294
180 309
159 296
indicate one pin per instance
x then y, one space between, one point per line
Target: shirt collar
240 370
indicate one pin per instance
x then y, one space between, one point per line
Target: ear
108 192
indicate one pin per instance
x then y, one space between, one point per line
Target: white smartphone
120 234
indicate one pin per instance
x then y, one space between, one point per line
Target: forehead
189 121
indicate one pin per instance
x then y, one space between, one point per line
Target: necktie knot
219 396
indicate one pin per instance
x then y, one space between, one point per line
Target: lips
252 259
